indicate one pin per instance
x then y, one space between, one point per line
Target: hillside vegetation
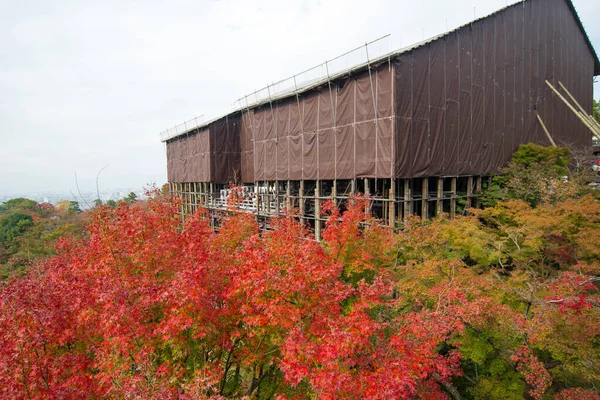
499 303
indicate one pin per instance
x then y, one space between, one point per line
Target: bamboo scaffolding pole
593 126
546 130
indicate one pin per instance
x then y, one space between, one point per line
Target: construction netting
330 133
466 101
458 105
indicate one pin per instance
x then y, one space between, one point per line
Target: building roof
311 84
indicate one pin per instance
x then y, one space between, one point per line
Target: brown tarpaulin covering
459 105
466 101
210 154
328 133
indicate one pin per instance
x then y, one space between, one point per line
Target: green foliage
596 110
111 203
18 204
74 207
29 231
536 174
130 198
531 155
13 225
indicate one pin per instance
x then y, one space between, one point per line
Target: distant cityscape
86 199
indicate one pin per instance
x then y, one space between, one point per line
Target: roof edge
586 37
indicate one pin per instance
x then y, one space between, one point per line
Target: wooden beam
440 196
546 130
407 199
425 198
392 204
452 197
301 201
478 192
318 210
469 201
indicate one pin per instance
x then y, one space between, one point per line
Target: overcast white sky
84 84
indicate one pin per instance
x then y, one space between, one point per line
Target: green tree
18 204
130 198
596 110
13 225
536 174
111 203
97 203
74 207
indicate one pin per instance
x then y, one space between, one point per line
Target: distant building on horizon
417 128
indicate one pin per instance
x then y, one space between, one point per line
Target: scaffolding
391 200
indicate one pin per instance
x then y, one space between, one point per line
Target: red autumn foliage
147 307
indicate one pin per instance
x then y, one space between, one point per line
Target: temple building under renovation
419 129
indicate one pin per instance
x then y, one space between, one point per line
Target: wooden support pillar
424 199
301 201
392 204
367 193
288 194
440 196
384 209
407 199
318 210
187 198
277 199
452 197
267 199
195 196
478 191
334 192
353 186
256 199
183 200
469 201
